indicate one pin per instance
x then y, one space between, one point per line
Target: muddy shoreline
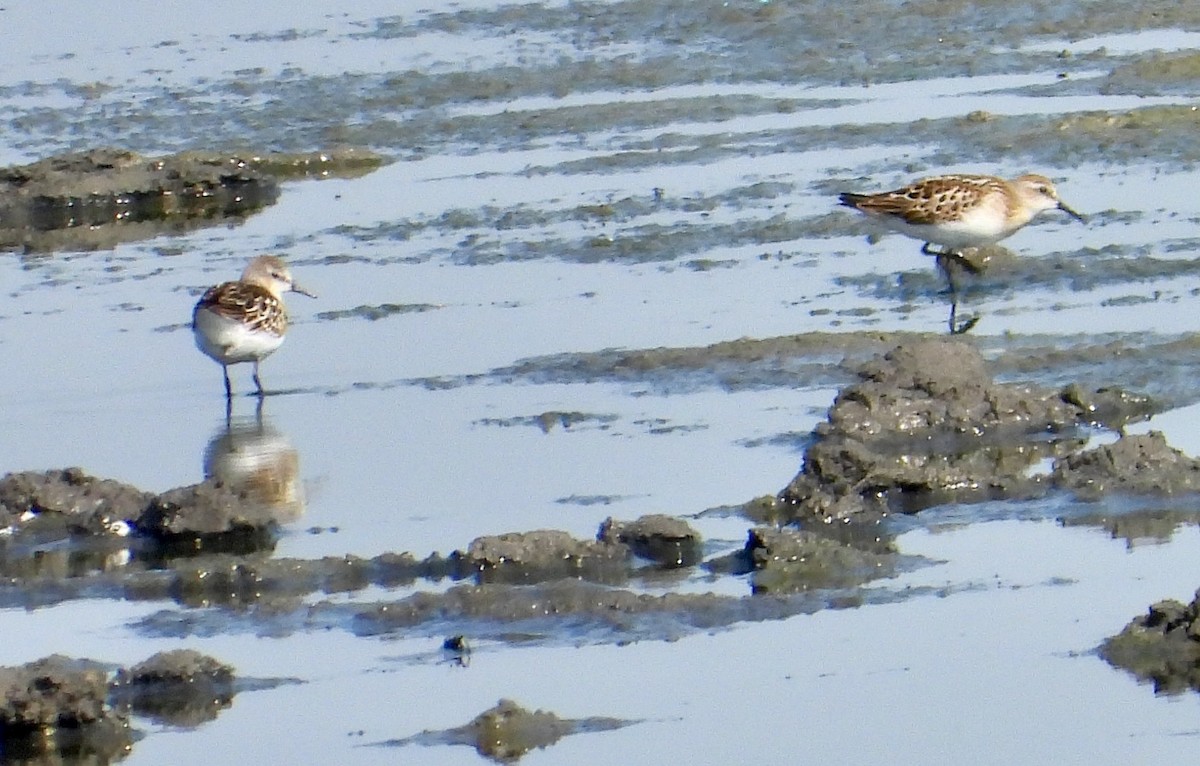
925 425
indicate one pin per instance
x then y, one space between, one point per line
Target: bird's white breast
230 341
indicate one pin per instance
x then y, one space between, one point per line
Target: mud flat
925 424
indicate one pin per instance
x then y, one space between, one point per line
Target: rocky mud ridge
924 424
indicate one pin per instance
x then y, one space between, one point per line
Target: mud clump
102 197
178 688
211 511
507 731
663 539
543 555
78 200
63 503
789 560
1161 647
60 705
926 424
67 501
1133 464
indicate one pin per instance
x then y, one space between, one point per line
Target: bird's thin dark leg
228 413
258 412
258 382
955 327
943 264
228 387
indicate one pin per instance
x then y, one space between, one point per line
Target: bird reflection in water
251 457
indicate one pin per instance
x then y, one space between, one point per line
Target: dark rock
664 539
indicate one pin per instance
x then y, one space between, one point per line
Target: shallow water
581 177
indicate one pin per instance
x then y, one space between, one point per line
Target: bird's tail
849 199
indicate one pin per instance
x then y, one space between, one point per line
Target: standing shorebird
245 321
960 211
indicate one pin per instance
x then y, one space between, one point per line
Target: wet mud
1160 647
917 423
99 198
507 731
925 424
83 711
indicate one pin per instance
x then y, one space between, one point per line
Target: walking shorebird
958 212
246 320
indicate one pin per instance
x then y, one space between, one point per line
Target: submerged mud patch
102 197
1160 366
377 312
506 732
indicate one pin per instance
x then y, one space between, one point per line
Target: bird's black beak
1063 207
